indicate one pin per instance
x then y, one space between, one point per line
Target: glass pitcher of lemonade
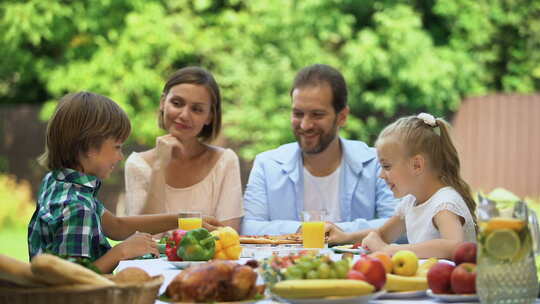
507 243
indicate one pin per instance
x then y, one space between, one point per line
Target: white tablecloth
159 266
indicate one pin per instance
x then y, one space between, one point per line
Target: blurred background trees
399 57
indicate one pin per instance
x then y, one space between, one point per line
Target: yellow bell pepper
228 245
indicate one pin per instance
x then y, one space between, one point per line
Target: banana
301 289
403 283
424 267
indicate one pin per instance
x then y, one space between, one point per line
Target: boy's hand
164 148
137 245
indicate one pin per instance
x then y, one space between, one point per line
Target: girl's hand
164 147
335 234
373 242
138 244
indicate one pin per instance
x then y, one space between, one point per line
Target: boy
83 144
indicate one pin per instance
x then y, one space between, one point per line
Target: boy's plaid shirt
67 219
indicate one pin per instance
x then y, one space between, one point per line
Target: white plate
337 300
404 294
453 297
165 299
347 248
182 264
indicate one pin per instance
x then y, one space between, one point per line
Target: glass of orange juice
189 220
313 228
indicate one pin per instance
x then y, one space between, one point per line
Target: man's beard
324 141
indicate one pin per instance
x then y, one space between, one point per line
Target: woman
184 172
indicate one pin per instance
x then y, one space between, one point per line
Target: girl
420 165
184 172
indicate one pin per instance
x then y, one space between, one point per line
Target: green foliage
399 57
17 204
4 164
14 243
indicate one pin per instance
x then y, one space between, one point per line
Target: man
321 171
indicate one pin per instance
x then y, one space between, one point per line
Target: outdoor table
163 267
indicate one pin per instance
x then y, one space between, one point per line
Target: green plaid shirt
67 219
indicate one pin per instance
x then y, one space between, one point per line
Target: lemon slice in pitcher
503 243
503 223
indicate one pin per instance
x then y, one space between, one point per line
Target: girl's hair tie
429 120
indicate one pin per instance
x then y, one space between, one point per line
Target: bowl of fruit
310 278
302 266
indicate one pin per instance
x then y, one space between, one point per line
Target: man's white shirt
322 193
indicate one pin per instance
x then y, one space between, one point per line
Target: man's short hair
317 74
80 122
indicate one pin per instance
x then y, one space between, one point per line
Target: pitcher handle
535 231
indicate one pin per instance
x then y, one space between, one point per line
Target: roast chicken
213 281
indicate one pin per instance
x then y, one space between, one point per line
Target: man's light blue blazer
274 195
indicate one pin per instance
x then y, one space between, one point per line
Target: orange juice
313 234
189 223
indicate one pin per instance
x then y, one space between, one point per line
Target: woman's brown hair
435 143
198 76
81 121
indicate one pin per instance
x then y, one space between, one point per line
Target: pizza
292 238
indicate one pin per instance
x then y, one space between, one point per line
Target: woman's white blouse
219 194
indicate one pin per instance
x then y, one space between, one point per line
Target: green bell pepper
197 245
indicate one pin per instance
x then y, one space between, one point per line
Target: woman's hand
164 148
138 244
373 242
210 223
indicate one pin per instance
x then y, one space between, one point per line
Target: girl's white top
419 219
219 194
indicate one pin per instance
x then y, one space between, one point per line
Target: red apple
465 253
438 277
464 278
356 275
373 270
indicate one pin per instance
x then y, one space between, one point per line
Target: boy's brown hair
81 121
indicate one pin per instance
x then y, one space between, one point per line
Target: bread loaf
56 271
18 272
131 275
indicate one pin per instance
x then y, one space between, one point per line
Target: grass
13 243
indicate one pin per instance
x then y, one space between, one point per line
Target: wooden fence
498 138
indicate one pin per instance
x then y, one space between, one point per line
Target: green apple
405 263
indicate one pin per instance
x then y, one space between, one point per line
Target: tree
399 57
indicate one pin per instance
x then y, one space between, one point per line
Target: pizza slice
293 238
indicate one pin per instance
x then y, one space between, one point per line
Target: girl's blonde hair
431 139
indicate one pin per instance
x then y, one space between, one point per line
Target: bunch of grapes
317 267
